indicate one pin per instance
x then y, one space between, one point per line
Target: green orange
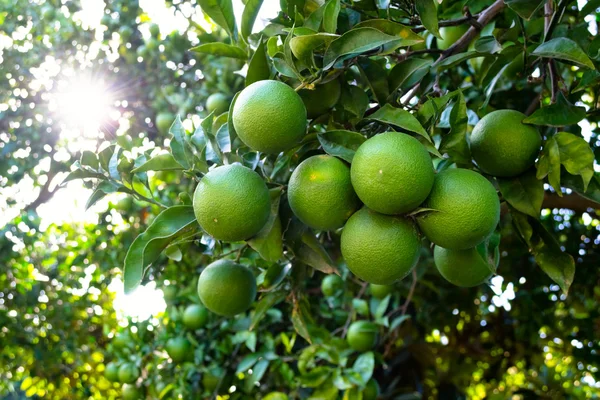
178 349
130 392
380 291
128 373
362 335
464 268
276 396
450 34
164 120
217 103
371 391
380 248
111 371
269 116
466 206
331 285
502 145
392 173
321 99
227 288
195 316
320 192
232 203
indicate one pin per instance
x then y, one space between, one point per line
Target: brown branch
571 201
485 17
45 193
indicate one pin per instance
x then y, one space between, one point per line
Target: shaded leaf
427 11
354 100
408 72
400 118
564 49
561 113
265 303
220 11
180 148
251 9
268 242
455 142
311 252
342 144
258 68
221 50
299 322
145 249
376 77
525 8
524 192
161 162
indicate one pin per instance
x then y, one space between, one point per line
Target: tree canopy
116 104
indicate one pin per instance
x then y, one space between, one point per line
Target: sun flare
83 105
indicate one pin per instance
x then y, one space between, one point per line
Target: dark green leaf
408 72
487 44
589 7
589 78
304 46
180 148
96 196
274 275
311 252
221 50
356 41
145 249
427 11
558 265
258 371
564 49
316 377
400 118
299 322
525 8
220 11
258 68
524 192
315 18
251 9
269 242
394 29
561 113
342 144
457 59
455 142
330 15
89 159
162 162
354 100
376 77
593 190
265 303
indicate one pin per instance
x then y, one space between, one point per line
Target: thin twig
362 291
451 22
411 292
553 80
231 358
556 17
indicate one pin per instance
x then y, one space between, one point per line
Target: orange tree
459 193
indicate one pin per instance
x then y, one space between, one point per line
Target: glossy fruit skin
362 335
502 145
450 35
331 285
392 173
380 291
164 120
269 116
111 371
371 391
227 288
321 99
464 268
179 349
380 248
217 103
130 392
128 373
468 210
232 203
320 192
195 316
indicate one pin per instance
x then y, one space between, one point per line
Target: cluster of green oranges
385 201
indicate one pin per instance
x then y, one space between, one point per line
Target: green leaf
524 192
251 9
258 371
174 253
304 46
400 118
393 29
354 100
561 113
89 159
147 247
274 275
81 174
299 322
269 241
354 42
220 11
591 193
487 44
311 252
161 162
364 366
342 144
96 196
571 151
287 54
315 18
455 142
330 15
459 58
564 49
316 377
265 303
258 68
361 307
427 11
588 79
221 50
180 148
589 7
525 8
376 77
408 72
247 362
558 265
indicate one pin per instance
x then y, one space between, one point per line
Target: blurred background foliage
63 316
